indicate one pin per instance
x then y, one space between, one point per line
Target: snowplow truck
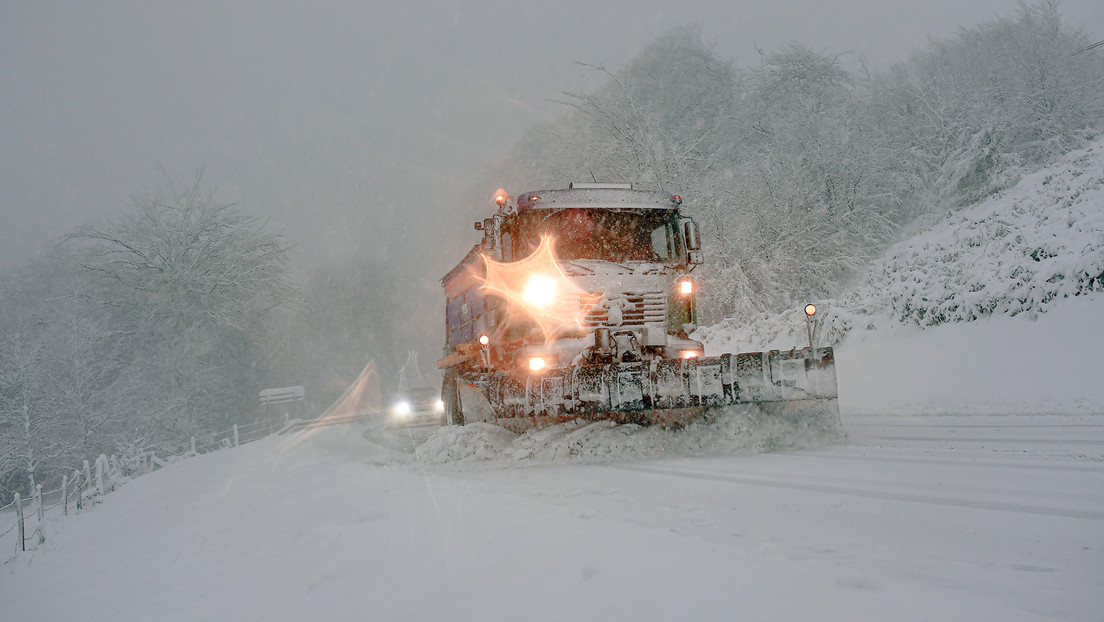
579 303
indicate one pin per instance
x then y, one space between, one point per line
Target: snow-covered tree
58 366
969 110
803 203
153 326
192 285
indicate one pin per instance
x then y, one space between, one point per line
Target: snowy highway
910 518
1003 517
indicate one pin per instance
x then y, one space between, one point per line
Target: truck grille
637 308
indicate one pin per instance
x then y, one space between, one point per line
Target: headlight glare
539 291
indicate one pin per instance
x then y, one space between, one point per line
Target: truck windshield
611 235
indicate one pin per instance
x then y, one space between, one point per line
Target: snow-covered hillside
1022 251
996 309
1019 252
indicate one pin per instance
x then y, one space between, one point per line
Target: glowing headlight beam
540 291
536 290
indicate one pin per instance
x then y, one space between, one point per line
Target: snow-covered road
916 518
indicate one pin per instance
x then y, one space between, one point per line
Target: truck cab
591 273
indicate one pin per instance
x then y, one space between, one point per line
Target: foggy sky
351 126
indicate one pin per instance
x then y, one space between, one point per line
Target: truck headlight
439 406
539 291
537 363
685 287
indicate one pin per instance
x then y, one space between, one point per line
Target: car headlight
439 405
401 409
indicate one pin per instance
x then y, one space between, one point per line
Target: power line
1086 49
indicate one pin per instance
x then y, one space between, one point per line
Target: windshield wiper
579 267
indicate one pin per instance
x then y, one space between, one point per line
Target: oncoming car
419 406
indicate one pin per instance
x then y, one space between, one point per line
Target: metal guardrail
297 425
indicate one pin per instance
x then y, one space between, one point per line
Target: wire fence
87 485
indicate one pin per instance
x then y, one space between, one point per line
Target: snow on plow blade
797 385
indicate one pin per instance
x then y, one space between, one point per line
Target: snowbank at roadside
996 365
737 429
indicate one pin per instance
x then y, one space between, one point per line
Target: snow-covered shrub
132 455
1019 252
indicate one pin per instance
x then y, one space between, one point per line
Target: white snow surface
949 518
968 485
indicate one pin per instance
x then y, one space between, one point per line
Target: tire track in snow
1000 506
896 457
968 439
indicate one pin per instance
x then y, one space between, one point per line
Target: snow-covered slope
1023 251
998 308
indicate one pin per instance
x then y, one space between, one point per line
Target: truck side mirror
693 240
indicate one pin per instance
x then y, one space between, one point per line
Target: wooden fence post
65 495
19 521
99 475
235 435
77 488
193 446
41 513
115 470
111 469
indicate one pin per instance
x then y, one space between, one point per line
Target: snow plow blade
797 385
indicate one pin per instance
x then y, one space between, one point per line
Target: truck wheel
454 412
